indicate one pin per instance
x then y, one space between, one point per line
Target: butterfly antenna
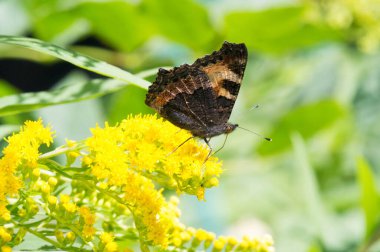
255 107
257 134
176 148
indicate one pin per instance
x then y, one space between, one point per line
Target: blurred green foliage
314 68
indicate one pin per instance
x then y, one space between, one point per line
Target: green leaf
19 103
370 200
6 130
24 102
126 29
307 185
183 21
128 101
77 59
276 30
6 88
56 24
308 120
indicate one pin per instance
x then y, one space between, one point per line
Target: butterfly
200 97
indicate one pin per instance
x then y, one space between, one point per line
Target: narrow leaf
369 196
24 102
76 58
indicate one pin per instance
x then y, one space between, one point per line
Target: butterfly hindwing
183 101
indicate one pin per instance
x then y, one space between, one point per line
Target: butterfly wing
200 96
178 96
225 69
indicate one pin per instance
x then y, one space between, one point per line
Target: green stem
41 236
44 159
61 150
143 246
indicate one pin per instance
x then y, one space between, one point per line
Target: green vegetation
313 67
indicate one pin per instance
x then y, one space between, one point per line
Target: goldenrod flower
88 218
22 149
109 244
4 235
6 249
141 147
88 232
146 144
111 247
106 238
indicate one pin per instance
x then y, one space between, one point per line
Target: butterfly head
229 127
215 130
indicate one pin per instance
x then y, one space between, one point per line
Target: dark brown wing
225 69
178 96
200 96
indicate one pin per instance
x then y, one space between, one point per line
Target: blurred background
314 68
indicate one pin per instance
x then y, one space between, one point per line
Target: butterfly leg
225 140
207 141
176 148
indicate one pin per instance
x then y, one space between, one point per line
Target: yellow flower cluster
88 219
22 150
360 18
146 144
108 243
68 213
142 147
148 206
4 236
191 238
132 163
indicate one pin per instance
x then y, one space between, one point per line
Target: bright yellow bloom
88 232
219 244
202 238
6 249
70 207
36 172
149 145
6 216
52 181
64 198
202 234
107 240
111 247
70 236
22 150
88 217
106 237
52 200
4 235
141 147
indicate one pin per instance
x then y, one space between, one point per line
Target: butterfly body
200 97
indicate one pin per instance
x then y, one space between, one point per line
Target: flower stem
61 149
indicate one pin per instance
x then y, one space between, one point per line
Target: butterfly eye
162 71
